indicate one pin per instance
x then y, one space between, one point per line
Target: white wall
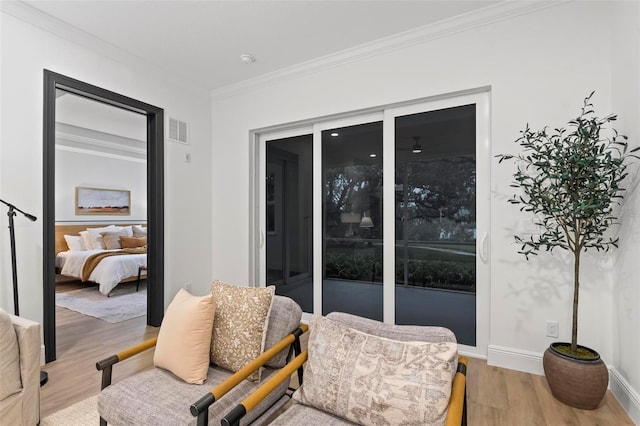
626 303
25 51
75 169
540 67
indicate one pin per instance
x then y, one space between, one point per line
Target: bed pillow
139 231
240 325
96 238
85 239
111 240
371 380
128 230
74 242
133 242
185 337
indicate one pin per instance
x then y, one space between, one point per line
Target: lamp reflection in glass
366 221
350 218
417 148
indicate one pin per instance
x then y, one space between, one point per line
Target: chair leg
103 422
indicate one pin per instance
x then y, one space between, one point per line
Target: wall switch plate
187 286
552 328
187 157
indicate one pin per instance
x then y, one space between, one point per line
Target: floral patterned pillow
239 325
373 380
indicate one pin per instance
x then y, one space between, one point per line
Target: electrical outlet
552 328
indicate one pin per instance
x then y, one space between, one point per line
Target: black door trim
155 196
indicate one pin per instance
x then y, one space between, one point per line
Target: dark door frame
155 196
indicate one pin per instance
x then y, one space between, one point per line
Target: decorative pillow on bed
139 231
85 239
185 337
74 242
133 242
240 325
128 230
373 380
111 240
96 238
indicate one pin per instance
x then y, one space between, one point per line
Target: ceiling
201 41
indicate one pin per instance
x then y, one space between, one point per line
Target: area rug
81 413
124 303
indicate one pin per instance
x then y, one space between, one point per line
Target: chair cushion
10 382
397 332
284 317
185 337
373 380
239 325
156 397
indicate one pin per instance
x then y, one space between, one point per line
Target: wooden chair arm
202 405
250 402
457 408
127 353
106 365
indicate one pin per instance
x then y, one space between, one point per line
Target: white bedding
108 273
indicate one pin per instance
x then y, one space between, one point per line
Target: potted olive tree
570 181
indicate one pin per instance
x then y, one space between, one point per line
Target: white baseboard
626 395
515 359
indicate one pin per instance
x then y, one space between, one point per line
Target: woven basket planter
576 382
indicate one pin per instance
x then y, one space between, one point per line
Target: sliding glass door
384 215
288 217
352 220
435 222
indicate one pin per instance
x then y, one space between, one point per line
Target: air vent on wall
178 131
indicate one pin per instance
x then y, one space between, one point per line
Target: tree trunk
576 288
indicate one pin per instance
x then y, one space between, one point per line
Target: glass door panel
435 220
352 220
289 217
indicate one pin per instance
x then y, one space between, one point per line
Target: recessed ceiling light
247 58
372 155
334 134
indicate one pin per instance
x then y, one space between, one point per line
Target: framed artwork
99 201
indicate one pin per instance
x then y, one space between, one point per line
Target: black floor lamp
16 306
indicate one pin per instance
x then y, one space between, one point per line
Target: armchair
19 370
157 397
335 400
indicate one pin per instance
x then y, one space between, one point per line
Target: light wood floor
495 396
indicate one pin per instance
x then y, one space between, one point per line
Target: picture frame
102 201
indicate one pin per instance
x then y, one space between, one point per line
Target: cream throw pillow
185 337
240 325
10 381
372 380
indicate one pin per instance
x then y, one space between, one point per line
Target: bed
107 265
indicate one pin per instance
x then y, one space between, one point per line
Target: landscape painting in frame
103 201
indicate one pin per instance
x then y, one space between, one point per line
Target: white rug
81 413
123 304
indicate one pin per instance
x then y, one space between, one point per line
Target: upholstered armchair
19 370
360 371
162 397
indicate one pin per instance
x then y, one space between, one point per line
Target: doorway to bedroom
100 215
103 169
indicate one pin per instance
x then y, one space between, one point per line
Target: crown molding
491 14
31 15
87 141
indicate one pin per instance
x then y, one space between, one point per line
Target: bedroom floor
81 342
